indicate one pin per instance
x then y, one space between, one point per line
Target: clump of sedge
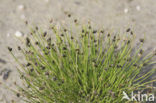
94 67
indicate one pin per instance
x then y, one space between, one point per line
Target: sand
116 15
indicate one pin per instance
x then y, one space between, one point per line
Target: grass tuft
95 67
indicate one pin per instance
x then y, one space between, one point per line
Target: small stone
2 61
138 8
18 34
5 73
21 7
8 34
125 10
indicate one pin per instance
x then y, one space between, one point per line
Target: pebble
125 10
2 61
138 8
21 7
18 34
5 73
8 34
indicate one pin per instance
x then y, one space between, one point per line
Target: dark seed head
65 30
18 95
89 27
53 62
135 65
28 64
62 81
95 65
69 15
145 64
108 35
64 48
28 42
44 34
62 35
31 70
64 55
59 84
75 20
53 45
36 63
128 41
19 48
94 31
26 22
119 66
128 30
141 51
41 88
95 45
114 37
102 31
36 27
72 37
115 47
48 47
82 30
95 41
114 40
36 42
46 53
46 73
131 32
54 78
42 67
96 51
129 59
141 40
49 40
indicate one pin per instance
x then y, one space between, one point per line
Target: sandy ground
110 14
